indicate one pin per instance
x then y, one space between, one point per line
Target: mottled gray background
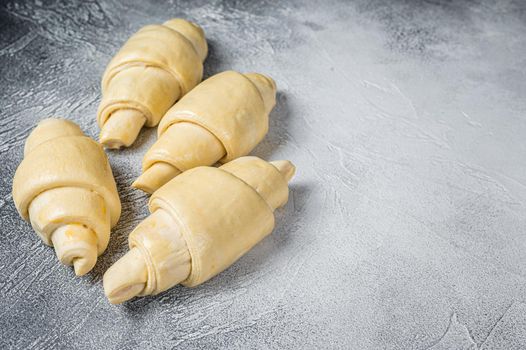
405 227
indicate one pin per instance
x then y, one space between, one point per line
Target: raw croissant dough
223 118
154 68
202 221
65 188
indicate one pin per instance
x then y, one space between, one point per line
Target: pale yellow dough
201 222
154 68
223 118
65 188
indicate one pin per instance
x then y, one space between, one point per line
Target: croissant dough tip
286 168
155 176
193 32
265 78
140 184
126 278
76 245
122 128
110 143
267 88
49 129
81 267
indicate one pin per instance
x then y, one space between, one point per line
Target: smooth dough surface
69 161
153 69
221 217
234 107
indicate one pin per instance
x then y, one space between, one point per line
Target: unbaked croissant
154 68
201 222
223 118
65 188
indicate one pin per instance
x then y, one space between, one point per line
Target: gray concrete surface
406 223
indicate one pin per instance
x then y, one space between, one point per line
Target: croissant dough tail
266 87
122 128
286 168
49 129
134 273
126 278
76 245
155 176
192 32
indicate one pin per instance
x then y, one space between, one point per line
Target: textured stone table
405 227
